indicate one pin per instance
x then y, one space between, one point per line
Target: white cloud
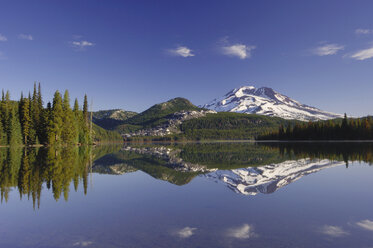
83 243
366 224
328 49
182 51
243 232
186 232
333 231
363 54
25 37
363 31
3 38
238 50
81 45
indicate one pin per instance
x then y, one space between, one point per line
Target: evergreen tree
85 136
41 125
20 105
26 121
69 132
15 132
6 115
3 138
78 117
85 110
36 111
32 132
76 106
55 124
344 122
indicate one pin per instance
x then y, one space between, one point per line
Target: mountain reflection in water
246 168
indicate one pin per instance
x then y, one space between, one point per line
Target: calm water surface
188 195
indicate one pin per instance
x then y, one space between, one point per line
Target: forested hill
28 122
159 111
223 126
230 126
155 115
109 119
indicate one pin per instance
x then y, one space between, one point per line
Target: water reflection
267 179
245 168
29 170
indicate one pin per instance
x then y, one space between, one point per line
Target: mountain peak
266 101
163 109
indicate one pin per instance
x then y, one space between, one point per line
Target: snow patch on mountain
266 101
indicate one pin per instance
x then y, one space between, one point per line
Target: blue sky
133 54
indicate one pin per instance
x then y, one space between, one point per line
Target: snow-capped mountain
266 101
267 179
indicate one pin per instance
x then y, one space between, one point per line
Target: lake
188 195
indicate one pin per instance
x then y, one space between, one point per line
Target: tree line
28 122
345 129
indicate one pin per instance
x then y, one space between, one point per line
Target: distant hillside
128 121
229 126
101 135
110 119
155 114
116 114
224 126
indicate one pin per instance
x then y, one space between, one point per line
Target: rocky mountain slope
115 114
111 118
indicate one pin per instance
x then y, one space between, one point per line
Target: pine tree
26 121
15 132
85 137
78 121
20 105
32 132
35 110
6 115
55 124
85 110
40 128
344 122
76 106
3 138
69 131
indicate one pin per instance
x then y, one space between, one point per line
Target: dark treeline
347 129
28 122
32 169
